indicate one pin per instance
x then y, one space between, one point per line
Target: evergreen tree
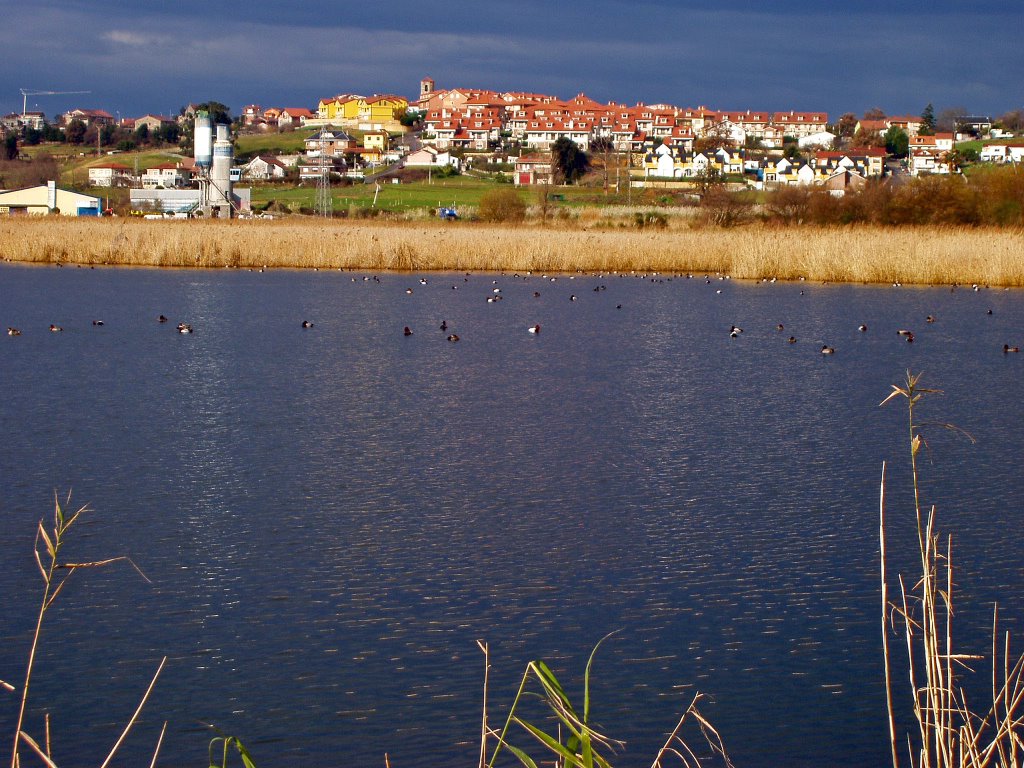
11 147
928 121
897 143
75 132
569 160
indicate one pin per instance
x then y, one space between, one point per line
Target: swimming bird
533 329
1007 348
306 324
408 290
780 327
453 337
989 312
862 328
184 328
444 325
13 331
55 328
618 306
792 339
572 297
827 350
423 281
905 332
407 331
536 294
161 319
930 319
735 330
97 322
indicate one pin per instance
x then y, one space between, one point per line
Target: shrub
502 205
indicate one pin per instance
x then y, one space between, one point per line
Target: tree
11 147
603 146
169 133
875 113
724 208
219 113
847 125
947 119
928 121
863 139
569 161
142 134
75 132
1013 120
502 205
897 143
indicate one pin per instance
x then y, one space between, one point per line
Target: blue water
332 517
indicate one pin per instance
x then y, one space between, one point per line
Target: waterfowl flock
500 289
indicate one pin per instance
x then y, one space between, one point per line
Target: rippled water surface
331 517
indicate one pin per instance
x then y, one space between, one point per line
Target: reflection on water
331 517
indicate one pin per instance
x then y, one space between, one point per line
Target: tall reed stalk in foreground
951 734
55 573
576 743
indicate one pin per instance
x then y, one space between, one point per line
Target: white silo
203 139
220 173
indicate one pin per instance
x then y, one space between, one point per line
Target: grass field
287 143
459 191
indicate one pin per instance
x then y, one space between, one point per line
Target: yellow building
348 108
375 140
381 109
339 108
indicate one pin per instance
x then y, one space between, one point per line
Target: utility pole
324 201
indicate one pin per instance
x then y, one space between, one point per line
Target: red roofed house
533 169
800 124
294 117
88 116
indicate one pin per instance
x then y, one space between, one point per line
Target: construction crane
25 93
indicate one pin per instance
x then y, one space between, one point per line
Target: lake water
332 517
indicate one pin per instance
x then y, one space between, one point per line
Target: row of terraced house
482 119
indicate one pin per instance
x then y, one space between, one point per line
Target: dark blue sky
156 56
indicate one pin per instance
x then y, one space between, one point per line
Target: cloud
136 39
738 54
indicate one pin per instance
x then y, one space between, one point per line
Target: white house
821 140
166 176
263 168
1002 153
427 157
110 175
927 162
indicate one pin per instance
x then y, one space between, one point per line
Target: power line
324 201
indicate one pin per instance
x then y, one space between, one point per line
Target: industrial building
216 196
48 199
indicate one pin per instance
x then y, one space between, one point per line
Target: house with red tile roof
88 116
294 117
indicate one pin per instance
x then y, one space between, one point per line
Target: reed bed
863 254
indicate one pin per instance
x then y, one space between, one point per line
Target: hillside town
513 136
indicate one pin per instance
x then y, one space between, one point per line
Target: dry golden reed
922 255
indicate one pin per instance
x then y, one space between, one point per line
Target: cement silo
203 139
220 173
